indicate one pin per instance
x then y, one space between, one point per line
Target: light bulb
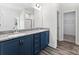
37 5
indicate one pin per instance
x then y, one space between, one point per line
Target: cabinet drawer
37 35
36 50
44 39
28 37
37 45
36 40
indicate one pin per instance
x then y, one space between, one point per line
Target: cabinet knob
20 42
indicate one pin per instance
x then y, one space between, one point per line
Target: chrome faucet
15 27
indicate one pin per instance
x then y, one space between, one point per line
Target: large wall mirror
17 16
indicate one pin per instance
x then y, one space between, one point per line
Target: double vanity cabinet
25 45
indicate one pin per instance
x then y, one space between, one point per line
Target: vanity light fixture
38 5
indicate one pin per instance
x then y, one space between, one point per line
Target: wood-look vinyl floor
64 48
69 38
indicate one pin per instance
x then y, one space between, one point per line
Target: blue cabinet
0 49
26 45
36 41
18 46
9 47
44 39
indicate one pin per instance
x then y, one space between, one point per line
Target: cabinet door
9 47
26 45
36 40
44 39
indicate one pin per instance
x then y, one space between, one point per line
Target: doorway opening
69 26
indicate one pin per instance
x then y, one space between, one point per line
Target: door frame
75 23
57 25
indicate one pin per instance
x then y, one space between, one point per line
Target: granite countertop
7 35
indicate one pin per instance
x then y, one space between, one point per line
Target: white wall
50 21
59 9
69 6
38 18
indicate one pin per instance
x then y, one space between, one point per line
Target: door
26 46
44 39
9 47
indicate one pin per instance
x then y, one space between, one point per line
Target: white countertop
19 34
